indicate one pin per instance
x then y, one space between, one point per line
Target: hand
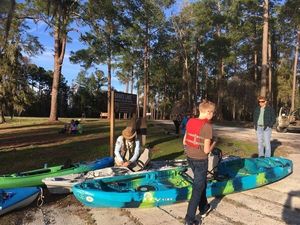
215 139
126 164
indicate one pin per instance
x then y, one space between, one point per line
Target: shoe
195 222
206 211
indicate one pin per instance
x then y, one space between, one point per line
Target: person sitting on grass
73 127
128 151
65 129
79 127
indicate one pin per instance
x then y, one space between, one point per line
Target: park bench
103 115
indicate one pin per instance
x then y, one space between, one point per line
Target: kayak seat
35 172
250 166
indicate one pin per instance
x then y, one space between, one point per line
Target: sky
70 70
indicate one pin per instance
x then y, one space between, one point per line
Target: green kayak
34 177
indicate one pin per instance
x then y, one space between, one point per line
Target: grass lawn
29 143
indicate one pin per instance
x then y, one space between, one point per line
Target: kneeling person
128 149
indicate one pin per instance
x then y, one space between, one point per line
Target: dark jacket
269 117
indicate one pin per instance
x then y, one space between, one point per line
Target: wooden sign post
120 103
112 123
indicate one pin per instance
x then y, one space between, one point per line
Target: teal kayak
34 177
169 186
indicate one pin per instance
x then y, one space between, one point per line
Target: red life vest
192 135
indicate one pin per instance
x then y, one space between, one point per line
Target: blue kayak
15 198
164 187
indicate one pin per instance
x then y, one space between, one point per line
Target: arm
136 151
118 147
207 146
183 141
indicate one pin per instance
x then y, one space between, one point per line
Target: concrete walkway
277 203
274 204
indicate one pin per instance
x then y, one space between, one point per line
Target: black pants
177 124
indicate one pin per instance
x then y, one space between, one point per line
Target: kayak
15 198
63 184
34 177
165 187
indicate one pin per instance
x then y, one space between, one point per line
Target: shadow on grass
161 140
170 156
49 136
36 157
43 124
274 145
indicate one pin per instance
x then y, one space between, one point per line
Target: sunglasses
261 101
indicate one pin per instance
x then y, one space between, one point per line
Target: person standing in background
183 123
177 121
263 119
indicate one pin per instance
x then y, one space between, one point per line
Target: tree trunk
270 71
220 89
8 23
220 77
59 52
132 80
263 88
295 71
255 57
109 71
196 80
2 118
146 71
233 110
108 87
185 77
255 66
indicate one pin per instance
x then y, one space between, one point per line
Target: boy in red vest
197 143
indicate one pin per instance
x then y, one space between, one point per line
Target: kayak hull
165 187
16 198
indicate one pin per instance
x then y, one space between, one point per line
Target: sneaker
195 222
206 211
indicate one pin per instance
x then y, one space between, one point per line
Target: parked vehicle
287 120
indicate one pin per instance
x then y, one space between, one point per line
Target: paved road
287 139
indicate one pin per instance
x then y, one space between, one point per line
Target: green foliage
284 83
14 41
209 49
86 96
